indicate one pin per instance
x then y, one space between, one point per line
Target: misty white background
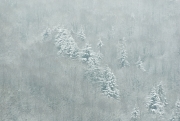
36 84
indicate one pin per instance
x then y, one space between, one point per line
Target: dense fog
89 60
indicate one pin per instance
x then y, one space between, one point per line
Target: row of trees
63 36
67 46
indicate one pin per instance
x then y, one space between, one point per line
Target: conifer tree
135 115
66 44
161 94
139 64
154 103
176 112
81 34
122 54
86 53
106 79
94 60
100 44
108 85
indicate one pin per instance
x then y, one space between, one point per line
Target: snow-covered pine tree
177 109
81 34
94 60
161 94
106 79
176 112
108 84
88 56
154 103
65 43
135 115
85 53
122 54
94 73
139 64
100 44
